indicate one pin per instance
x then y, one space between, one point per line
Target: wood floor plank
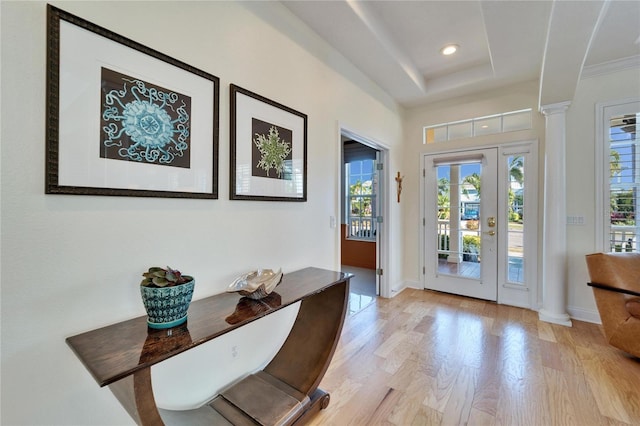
391 343
408 348
523 402
458 407
473 306
474 339
439 388
347 348
427 416
605 392
545 332
429 358
562 411
364 403
550 355
405 410
478 417
488 381
586 409
405 376
410 404
384 408
627 382
339 398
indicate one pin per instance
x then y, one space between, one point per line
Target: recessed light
449 49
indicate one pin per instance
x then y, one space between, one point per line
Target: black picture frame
123 119
268 149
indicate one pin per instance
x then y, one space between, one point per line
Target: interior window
361 199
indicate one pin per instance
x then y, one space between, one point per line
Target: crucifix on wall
399 183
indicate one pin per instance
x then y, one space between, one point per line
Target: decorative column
554 267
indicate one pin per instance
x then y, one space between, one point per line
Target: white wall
73 263
581 183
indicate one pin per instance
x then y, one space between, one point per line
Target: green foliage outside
471 243
623 208
471 248
360 206
443 244
622 203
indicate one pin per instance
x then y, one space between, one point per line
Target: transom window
487 125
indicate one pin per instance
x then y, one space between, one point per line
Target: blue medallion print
143 122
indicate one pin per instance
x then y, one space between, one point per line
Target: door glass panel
458 212
515 235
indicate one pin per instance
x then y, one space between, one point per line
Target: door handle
490 233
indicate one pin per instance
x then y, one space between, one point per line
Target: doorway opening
361 213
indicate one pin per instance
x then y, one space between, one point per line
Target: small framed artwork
268 149
124 119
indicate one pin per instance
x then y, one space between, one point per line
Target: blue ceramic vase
167 307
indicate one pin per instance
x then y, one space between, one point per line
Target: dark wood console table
284 393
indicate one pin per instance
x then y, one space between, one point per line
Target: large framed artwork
268 149
124 119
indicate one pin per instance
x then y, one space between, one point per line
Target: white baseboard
414 284
586 315
398 288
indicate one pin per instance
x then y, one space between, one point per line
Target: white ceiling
397 43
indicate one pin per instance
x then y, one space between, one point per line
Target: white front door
461 223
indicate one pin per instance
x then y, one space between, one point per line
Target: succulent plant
160 277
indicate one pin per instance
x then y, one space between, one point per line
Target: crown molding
609 67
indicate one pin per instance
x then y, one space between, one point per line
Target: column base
562 319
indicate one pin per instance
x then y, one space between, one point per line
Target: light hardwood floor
428 358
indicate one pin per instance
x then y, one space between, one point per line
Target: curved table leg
286 392
135 393
305 355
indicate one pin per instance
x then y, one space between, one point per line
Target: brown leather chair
615 279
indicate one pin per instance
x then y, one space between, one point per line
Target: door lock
491 221
490 233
